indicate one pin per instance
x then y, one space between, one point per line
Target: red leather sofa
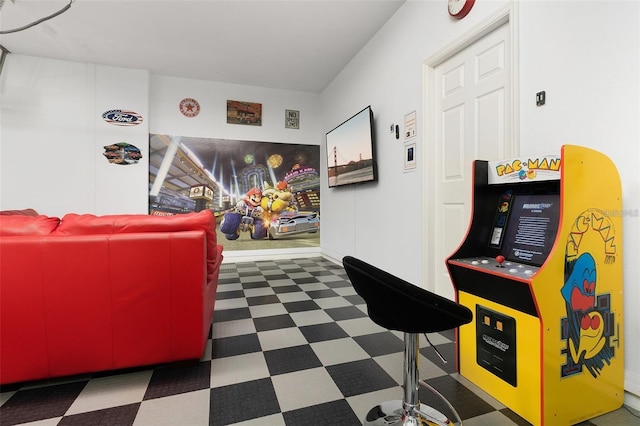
92 293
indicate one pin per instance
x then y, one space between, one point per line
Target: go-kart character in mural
589 325
281 216
246 216
276 200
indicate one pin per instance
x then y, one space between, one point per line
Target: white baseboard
632 402
272 254
632 390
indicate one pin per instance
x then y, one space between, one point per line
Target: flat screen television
351 157
532 227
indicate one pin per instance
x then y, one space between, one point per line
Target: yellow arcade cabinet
541 268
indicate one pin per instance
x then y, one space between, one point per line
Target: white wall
167 92
52 137
586 61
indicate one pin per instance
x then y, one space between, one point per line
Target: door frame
507 15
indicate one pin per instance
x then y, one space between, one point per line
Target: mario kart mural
257 190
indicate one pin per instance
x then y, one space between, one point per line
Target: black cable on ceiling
39 21
3 56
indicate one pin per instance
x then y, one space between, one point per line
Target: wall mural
264 194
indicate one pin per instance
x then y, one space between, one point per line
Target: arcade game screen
531 228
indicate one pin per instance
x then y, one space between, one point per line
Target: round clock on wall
460 8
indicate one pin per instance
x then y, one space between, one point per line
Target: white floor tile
332 302
281 338
338 351
105 392
270 309
231 303
293 297
238 369
310 317
232 328
360 326
260 291
190 408
305 388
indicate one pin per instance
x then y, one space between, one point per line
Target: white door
472 119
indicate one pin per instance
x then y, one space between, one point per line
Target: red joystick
500 260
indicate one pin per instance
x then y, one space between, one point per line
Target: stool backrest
396 304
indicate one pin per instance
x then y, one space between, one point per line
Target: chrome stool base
391 413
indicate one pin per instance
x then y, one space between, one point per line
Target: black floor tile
382 343
241 402
242 273
286 289
231 314
321 273
465 401
516 419
273 322
322 332
255 284
262 300
355 300
338 284
230 295
174 380
287 360
301 306
330 413
276 277
358 377
236 345
345 313
319 294
123 415
447 350
306 280
40 403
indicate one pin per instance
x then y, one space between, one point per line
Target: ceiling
292 45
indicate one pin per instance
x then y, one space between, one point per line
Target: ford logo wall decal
120 117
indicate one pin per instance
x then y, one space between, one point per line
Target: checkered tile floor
291 344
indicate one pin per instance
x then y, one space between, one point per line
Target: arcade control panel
499 265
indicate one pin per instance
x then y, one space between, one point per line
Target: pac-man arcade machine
541 268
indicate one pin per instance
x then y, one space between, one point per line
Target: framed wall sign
410 157
291 119
248 113
410 125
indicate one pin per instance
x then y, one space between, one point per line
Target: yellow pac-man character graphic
591 337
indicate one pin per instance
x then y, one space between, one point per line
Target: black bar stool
395 304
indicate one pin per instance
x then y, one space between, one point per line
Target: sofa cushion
23 212
22 225
88 224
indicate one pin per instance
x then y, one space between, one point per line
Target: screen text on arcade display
532 228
